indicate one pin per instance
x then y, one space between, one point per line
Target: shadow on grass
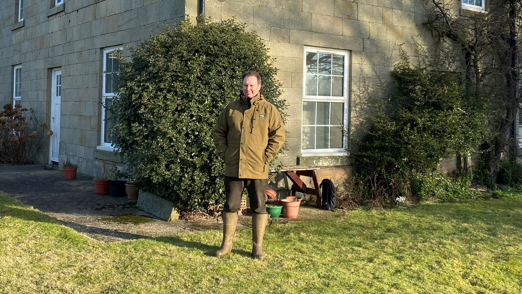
7 208
206 249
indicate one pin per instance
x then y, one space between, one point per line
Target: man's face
250 86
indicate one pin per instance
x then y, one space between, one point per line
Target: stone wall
370 30
72 37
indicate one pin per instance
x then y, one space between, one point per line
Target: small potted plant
69 170
101 186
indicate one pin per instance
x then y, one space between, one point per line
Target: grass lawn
472 247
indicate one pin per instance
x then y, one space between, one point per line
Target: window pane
308 140
21 7
325 85
108 84
115 64
336 137
465 1
337 86
323 113
337 114
308 113
115 84
338 65
108 62
311 62
322 138
325 64
311 85
478 3
18 82
107 125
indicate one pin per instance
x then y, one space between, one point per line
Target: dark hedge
171 93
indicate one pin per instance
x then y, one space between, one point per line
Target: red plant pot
101 187
290 208
69 173
271 194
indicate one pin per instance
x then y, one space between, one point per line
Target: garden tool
229 229
259 222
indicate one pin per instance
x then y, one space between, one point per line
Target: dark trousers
256 192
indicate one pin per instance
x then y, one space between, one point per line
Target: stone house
56 57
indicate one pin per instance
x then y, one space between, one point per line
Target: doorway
56 111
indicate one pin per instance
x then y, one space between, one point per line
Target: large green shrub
431 116
171 94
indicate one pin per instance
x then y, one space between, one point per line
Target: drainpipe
201 8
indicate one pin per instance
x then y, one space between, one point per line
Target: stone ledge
55 10
107 155
18 25
324 160
157 206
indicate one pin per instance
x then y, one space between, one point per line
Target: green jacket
248 137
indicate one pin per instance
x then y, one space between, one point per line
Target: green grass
471 247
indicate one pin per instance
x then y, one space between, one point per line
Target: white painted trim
58 3
104 97
344 99
475 7
106 148
55 132
322 153
17 98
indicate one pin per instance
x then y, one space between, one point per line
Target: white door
56 111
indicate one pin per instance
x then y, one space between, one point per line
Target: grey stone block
297 20
268 16
157 206
325 8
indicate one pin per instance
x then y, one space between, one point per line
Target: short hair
251 74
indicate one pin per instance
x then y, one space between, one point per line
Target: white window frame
106 145
58 2
21 11
344 99
475 7
15 82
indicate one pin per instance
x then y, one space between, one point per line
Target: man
248 134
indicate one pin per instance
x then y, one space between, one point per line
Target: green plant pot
274 210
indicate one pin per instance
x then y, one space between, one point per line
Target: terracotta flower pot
271 194
101 187
290 208
69 173
132 192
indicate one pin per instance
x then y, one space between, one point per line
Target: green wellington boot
229 229
259 222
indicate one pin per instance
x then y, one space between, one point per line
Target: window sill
107 154
470 10
18 25
55 10
331 159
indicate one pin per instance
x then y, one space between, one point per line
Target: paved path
74 204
